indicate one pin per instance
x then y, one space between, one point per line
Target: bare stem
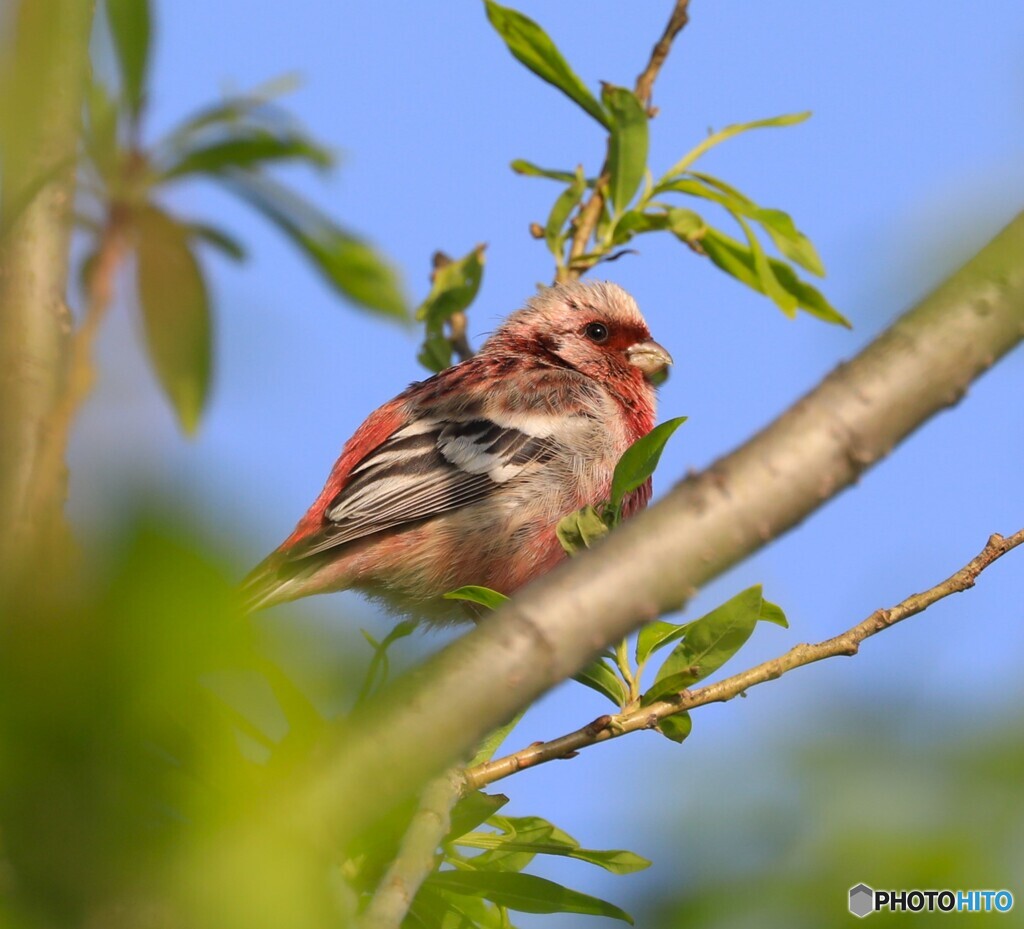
848 643
417 855
590 212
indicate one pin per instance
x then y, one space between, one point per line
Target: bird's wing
428 467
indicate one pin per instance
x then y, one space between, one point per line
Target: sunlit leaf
175 313
484 596
533 835
599 676
711 641
581 530
676 727
531 45
471 811
639 461
130 27
627 145
716 138
656 635
347 263
528 168
563 206
736 260
524 893
769 283
454 288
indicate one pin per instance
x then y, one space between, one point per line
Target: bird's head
594 327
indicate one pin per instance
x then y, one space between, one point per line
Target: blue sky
913 159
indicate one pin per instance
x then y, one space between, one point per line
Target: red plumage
462 478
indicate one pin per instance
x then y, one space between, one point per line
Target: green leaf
560 211
348 264
581 530
736 260
711 641
175 313
789 240
528 168
676 727
772 613
634 222
532 835
101 131
686 224
599 676
454 288
481 595
130 27
524 893
531 45
486 749
219 239
247 149
471 811
657 635
627 146
716 138
770 285
435 353
639 460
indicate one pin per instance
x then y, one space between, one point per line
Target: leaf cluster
233 143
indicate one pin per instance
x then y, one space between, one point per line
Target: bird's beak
649 357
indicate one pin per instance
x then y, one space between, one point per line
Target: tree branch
590 212
417 855
657 559
647 717
43 80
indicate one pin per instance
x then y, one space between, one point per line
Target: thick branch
647 717
709 522
43 79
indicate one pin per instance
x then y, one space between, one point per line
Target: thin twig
589 213
647 717
417 855
645 82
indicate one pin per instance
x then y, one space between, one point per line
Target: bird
462 478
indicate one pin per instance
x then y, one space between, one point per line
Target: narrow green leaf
435 353
716 138
534 835
560 211
481 595
246 149
634 222
709 642
471 811
599 676
627 146
219 239
789 240
524 893
772 613
101 129
639 460
486 749
130 28
686 224
676 727
657 635
736 260
770 285
175 313
348 264
531 45
528 168
581 530
454 288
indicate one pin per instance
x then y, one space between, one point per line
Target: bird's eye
596 332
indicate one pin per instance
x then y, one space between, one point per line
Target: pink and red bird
462 478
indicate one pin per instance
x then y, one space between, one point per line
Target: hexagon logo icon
862 900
